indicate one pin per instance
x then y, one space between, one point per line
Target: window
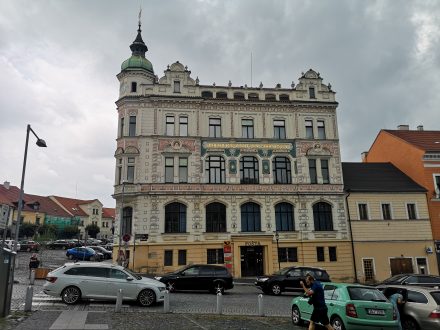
207 94
169 125
132 126
247 128
222 95
279 129
270 97
215 127
386 211
176 86
363 211
253 96
215 218
416 297
249 173
322 217
119 172
130 169
411 208
215 169
37 221
288 254
423 269
281 170
321 129
175 218
437 185
250 217
118 274
312 92
320 253
133 87
309 129
183 126
181 260
284 97
238 96
168 258
325 171
127 219
169 170
312 171
332 253
121 127
284 217
183 170
368 269
215 256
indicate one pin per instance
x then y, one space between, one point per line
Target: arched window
222 95
175 218
253 96
322 216
284 97
238 96
284 217
281 170
215 169
249 172
270 97
207 94
250 217
215 218
127 219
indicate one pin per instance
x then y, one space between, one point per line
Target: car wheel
409 324
171 286
70 256
64 248
296 316
146 298
337 323
218 288
71 295
28 249
275 289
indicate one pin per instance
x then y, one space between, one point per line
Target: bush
92 230
69 232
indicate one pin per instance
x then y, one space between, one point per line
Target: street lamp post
277 238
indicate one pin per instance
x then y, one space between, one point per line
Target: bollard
166 302
118 301
219 303
260 305
28 301
32 280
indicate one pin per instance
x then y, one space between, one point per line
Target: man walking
316 294
33 264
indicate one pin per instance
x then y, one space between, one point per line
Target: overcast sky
59 59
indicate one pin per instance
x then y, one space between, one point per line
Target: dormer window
177 86
312 92
133 87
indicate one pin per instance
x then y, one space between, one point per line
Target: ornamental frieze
177 144
235 148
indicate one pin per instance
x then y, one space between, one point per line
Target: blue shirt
318 295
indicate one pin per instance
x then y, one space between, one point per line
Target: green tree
27 230
70 232
48 230
92 230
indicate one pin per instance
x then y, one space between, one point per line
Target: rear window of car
428 279
365 294
436 296
417 297
221 271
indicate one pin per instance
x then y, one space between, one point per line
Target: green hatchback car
350 307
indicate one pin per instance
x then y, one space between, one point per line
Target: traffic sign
4 212
126 237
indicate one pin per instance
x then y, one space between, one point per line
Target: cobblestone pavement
42 320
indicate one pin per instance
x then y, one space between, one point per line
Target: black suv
288 279
412 279
199 277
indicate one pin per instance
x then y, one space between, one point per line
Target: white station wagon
75 281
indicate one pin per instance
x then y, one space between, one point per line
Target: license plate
372 311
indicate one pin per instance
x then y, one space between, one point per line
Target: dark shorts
320 316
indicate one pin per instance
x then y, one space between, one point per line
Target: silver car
422 307
75 281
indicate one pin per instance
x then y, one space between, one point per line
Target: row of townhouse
55 210
249 177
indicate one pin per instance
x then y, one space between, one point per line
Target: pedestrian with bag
315 292
34 263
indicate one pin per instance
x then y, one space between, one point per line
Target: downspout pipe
356 280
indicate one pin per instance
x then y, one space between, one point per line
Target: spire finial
140 15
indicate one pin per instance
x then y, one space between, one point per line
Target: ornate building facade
249 177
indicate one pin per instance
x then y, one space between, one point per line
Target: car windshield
282 271
436 296
365 294
90 250
136 276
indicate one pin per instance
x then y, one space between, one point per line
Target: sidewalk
60 320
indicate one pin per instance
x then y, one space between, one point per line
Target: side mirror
130 279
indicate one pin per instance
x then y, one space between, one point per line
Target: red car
29 246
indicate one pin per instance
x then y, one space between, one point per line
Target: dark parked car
199 277
60 244
288 279
412 279
29 246
107 254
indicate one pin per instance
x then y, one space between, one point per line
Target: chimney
420 128
364 156
403 127
7 185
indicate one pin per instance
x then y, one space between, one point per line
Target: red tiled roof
426 140
9 196
108 212
72 205
48 206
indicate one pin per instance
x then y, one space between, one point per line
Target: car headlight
157 278
162 288
263 279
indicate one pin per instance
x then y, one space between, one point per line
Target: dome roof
137 62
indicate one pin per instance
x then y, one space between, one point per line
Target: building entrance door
401 266
252 261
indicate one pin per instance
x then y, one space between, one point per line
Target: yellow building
247 177
389 222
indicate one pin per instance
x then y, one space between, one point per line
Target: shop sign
252 243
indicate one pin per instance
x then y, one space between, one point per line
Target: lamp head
41 143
